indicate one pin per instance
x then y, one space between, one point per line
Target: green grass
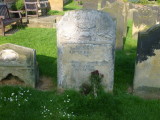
72 5
31 104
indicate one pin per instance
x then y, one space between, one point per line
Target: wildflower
11 99
12 94
96 72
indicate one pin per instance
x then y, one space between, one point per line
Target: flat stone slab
43 21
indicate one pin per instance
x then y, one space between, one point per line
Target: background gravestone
143 18
56 5
118 10
86 42
20 62
147 70
90 4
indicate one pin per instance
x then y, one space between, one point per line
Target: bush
158 1
18 5
143 1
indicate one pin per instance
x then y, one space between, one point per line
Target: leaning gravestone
86 42
20 62
147 70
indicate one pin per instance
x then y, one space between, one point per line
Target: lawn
71 5
19 103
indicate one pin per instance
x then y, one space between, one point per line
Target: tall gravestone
147 69
86 42
118 10
20 62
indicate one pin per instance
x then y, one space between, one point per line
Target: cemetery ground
17 103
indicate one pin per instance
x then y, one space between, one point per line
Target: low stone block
20 62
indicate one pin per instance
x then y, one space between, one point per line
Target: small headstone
20 62
147 69
86 42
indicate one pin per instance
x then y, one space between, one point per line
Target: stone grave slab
20 62
147 68
86 42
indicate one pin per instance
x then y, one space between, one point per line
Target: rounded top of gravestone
86 26
8 55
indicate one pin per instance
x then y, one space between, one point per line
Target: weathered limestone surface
56 5
20 62
143 18
86 42
90 4
147 69
118 10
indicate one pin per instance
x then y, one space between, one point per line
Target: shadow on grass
69 1
67 9
47 66
125 64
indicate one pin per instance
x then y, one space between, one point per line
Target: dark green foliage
85 89
18 5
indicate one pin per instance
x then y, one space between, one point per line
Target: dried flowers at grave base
96 79
85 89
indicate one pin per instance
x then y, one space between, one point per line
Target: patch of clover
45 111
19 98
63 110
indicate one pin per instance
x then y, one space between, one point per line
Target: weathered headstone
90 4
56 5
118 10
86 42
20 62
143 18
147 69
